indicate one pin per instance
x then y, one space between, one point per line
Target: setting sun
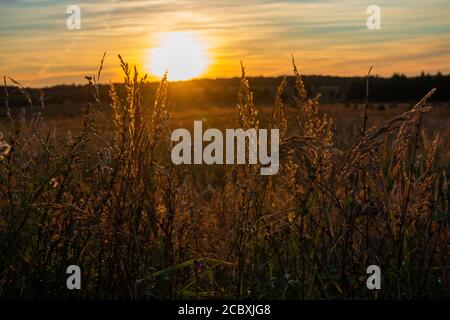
182 54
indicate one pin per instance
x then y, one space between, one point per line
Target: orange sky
326 37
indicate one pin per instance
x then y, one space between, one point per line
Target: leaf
214 262
441 216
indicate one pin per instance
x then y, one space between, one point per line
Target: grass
106 197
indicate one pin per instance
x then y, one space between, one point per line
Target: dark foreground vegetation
140 227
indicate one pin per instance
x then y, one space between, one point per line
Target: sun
182 54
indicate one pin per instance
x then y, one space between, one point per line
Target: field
93 185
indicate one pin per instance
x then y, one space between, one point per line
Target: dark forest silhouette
397 88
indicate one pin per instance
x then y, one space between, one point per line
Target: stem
363 131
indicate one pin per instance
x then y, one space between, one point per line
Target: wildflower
54 183
5 150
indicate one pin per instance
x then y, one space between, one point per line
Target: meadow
92 185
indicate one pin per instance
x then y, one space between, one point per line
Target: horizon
327 37
155 81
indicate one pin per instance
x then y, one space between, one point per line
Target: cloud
327 37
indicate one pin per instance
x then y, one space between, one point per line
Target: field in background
347 116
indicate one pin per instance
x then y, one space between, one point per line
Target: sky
328 37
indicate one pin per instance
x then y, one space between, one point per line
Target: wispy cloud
327 37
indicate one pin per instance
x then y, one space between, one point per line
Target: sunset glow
181 54
202 39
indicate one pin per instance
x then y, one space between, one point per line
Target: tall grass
140 227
